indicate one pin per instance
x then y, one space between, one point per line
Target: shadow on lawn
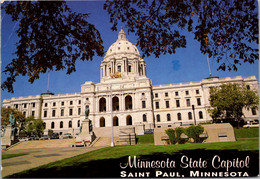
111 167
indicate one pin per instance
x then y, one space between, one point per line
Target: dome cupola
122 61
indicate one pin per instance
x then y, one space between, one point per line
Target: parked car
67 136
45 137
250 125
55 136
23 139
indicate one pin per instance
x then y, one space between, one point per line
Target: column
143 70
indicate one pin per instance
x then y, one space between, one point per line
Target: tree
52 37
229 100
194 133
34 126
225 29
18 115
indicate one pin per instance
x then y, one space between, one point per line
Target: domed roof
122 46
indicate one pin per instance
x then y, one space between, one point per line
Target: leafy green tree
225 29
34 126
179 131
18 115
52 37
171 135
229 100
175 135
194 133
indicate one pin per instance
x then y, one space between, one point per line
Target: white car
250 125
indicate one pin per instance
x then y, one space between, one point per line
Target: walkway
38 157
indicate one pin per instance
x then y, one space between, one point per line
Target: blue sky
188 64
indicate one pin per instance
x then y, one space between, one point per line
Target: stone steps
34 144
104 142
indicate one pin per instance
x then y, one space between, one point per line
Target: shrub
194 133
179 131
171 134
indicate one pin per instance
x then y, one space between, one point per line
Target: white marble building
135 101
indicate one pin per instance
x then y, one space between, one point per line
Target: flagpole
111 107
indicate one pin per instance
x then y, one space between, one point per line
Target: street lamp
193 108
111 107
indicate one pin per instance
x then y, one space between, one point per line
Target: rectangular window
198 101
188 102
166 94
33 105
248 87
177 103
62 103
16 106
167 104
71 102
157 105
79 101
143 104
45 114
54 103
253 111
176 93
129 68
24 113
25 105
53 113
156 95
119 68
46 105
197 91
71 112
62 112
187 92
79 111
33 113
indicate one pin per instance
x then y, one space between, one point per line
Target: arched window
52 125
102 105
115 103
70 124
168 117
78 123
179 116
61 124
189 116
44 125
102 122
200 115
129 120
128 102
115 121
158 118
144 118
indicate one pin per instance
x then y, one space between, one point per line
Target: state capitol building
135 101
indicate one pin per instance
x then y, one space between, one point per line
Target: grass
6 156
105 162
246 132
145 139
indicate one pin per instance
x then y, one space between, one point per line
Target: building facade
126 97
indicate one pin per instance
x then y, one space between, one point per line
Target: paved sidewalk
38 157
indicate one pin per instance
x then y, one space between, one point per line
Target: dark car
55 136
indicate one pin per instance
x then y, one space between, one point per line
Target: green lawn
246 132
145 139
105 162
6 156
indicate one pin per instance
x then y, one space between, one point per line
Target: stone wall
216 133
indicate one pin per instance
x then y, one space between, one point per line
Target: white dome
122 46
